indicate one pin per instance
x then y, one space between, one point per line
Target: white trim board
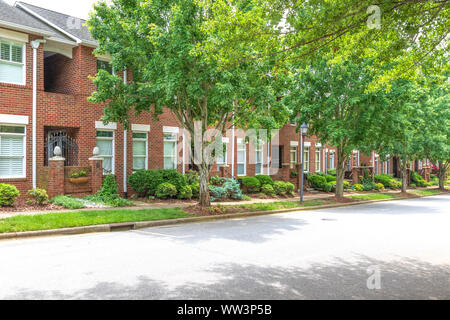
140 127
109 126
13 119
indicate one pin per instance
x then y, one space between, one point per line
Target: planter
80 180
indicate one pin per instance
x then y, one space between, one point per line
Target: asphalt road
401 249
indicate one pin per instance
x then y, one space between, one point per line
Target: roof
68 24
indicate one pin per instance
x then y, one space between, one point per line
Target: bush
217 181
412 185
332 172
217 193
166 190
330 178
380 186
358 187
67 202
233 189
317 182
251 185
8 194
195 187
109 194
268 190
280 187
369 185
388 181
146 182
192 176
185 193
290 188
175 178
264 179
329 187
419 181
139 182
346 185
109 187
39 196
83 174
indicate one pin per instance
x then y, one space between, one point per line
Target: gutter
23 28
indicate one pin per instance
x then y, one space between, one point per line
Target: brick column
97 173
224 171
56 177
355 175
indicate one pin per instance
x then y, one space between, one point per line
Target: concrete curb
159 223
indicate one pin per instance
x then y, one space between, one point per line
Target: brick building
46 60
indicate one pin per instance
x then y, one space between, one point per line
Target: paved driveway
403 246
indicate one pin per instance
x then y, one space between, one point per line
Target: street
327 254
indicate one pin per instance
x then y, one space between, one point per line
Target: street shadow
253 229
338 279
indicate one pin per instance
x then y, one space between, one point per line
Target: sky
77 8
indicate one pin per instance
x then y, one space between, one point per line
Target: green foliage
412 185
166 190
217 193
264 179
330 178
332 172
317 182
83 174
109 186
195 190
8 194
388 181
268 190
67 202
229 190
289 188
329 187
418 180
380 187
251 184
217 181
346 185
175 178
280 187
185 193
192 176
358 187
146 182
75 175
39 196
109 194
139 182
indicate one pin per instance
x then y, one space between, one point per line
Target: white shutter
11 156
11 146
11 73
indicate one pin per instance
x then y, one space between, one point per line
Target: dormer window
12 62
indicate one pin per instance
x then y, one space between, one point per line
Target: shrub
280 187
264 179
233 189
330 178
39 196
317 182
67 202
369 185
358 187
217 181
332 172
139 182
380 186
268 189
329 187
218 193
251 184
289 188
294 174
418 180
8 194
146 182
346 185
195 187
175 178
166 190
192 176
388 181
109 187
185 193
412 185
109 194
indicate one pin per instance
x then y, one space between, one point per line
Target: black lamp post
304 131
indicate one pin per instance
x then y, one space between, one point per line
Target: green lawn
374 196
425 192
86 218
279 205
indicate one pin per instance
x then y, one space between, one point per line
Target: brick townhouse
46 60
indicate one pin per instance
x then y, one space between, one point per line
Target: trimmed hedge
317 182
166 190
268 189
388 181
264 179
8 194
251 184
146 182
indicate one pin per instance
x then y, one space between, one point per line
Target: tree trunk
205 200
404 178
442 175
340 174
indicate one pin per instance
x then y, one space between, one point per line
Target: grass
425 192
279 205
374 196
86 218
67 202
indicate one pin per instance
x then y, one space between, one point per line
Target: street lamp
304 131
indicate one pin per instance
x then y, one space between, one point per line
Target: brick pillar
56 177
224 171
97 173
355 175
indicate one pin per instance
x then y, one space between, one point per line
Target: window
140 153
12 63
355 159
104 65
105 142
259 158
317 159
222 158
306 159
376 163
241 158
293 157
332 160
12 152
170 151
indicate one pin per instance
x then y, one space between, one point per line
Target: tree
334 102
401 34
156 39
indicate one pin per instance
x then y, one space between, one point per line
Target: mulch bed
21 205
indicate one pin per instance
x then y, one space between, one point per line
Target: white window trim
24 162
113 156
306 163
241 142
174 156
318 150
332 156
259 148
100 126
221 163
146 148
23 64
293 163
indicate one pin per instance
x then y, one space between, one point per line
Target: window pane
169 148
107 165
11 129
11 146
169 163
258 168
241 156
11 167
103 65
105 147
138 135
16 55
11 73
138 163
170 136
139 148
5 50
105 134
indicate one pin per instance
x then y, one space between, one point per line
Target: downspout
232 147
125 148
35 45
184 151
